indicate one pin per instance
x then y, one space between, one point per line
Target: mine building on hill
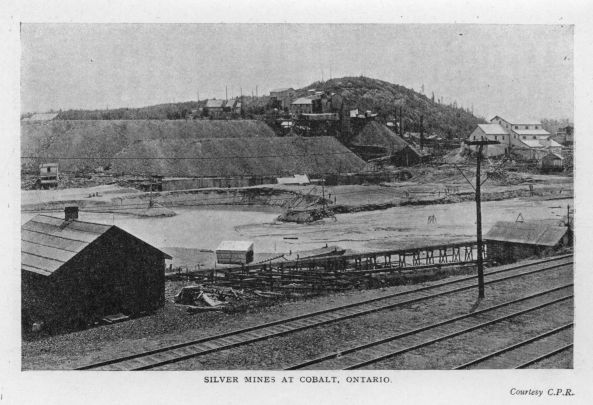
215 108
303 105
281 98
512 241
75 272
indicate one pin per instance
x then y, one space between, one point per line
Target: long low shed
511 241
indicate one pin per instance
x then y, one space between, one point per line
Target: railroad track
411 340
170 354
521 354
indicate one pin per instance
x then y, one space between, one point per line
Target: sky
520 70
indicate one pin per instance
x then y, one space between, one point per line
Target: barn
512 241
75 272
234 252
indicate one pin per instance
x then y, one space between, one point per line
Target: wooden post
479 224
480 145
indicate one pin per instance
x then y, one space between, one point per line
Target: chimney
71 213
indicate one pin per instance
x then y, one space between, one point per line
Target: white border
187 387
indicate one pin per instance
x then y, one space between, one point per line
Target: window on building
523 136
495 138
533 136
516 126
526 126
536 127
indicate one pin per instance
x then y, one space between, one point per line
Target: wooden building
491 132
75 272
512 241
215 108
281 98
48 175
552 162
303 105
234 252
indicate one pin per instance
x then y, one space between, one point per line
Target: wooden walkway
337 272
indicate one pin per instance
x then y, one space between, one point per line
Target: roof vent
71 213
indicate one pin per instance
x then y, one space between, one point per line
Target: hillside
383 97
358 92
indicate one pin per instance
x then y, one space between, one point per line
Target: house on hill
75 272
215 108
282 98
302 105
512 241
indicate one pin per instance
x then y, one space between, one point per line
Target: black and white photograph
303 203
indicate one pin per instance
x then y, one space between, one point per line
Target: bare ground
171 325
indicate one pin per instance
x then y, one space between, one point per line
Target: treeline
553 125
173 111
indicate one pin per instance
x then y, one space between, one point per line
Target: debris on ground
197 298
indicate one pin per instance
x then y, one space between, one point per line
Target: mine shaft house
76 272
511 241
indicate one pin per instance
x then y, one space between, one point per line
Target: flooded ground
398 227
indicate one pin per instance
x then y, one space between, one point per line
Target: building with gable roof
75 272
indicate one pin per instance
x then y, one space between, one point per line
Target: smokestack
70 213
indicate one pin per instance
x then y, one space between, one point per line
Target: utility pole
480 145
421 132
401 122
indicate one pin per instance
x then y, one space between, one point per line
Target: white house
523 136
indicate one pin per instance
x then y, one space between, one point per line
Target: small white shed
234 252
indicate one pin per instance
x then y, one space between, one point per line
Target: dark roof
47 243
529 233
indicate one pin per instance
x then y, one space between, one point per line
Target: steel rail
544 356
412 332
457 333
300 321
514 346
